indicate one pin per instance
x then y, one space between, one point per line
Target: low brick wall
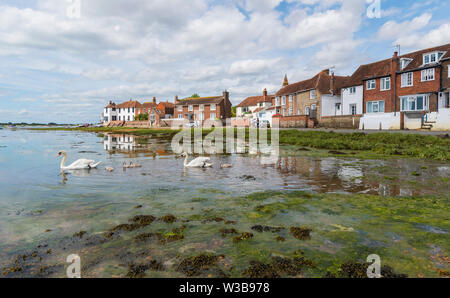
240 122
138 124
295 122
348 121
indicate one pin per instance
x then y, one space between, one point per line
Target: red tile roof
417 57
255 100
200 100
130 104
320 82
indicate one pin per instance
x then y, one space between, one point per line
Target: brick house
306 97
253 103
204 108
402 92
129 111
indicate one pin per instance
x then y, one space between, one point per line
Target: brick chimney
333 84
265 93
176 99
327 71
226 95
154 100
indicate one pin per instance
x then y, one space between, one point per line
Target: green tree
142 117
195 95
233 111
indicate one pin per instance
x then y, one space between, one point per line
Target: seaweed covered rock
301 233
278 267
143 220
359 270
139 270
243 236
169 218
194 266
260 229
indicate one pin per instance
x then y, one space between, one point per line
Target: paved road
420 132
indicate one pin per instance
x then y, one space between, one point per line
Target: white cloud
416 33
140 49
393 30
435 37
252 66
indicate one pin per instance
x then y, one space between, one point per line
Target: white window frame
307 111
352 90
212 107
413 98
277 101
290 98
314 107
376 103
211 116
190 108
371 84
299 112
180 116
384 82
429 56
428 74
180 108
448 72
404 62
283 100
291 111
201 107
201 116
405 79
312 94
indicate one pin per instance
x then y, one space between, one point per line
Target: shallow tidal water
397 208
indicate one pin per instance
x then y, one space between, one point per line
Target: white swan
80 164
199 162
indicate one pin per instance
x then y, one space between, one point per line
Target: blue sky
58 67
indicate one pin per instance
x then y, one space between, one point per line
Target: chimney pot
395 54
154 100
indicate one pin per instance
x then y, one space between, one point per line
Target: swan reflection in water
75 173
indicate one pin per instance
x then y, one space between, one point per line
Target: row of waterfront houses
410 91
192 110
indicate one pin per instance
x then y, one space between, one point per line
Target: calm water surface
39 204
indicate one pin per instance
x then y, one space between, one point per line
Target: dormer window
404 62
432 57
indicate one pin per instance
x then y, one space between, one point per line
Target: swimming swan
199 162
77 165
